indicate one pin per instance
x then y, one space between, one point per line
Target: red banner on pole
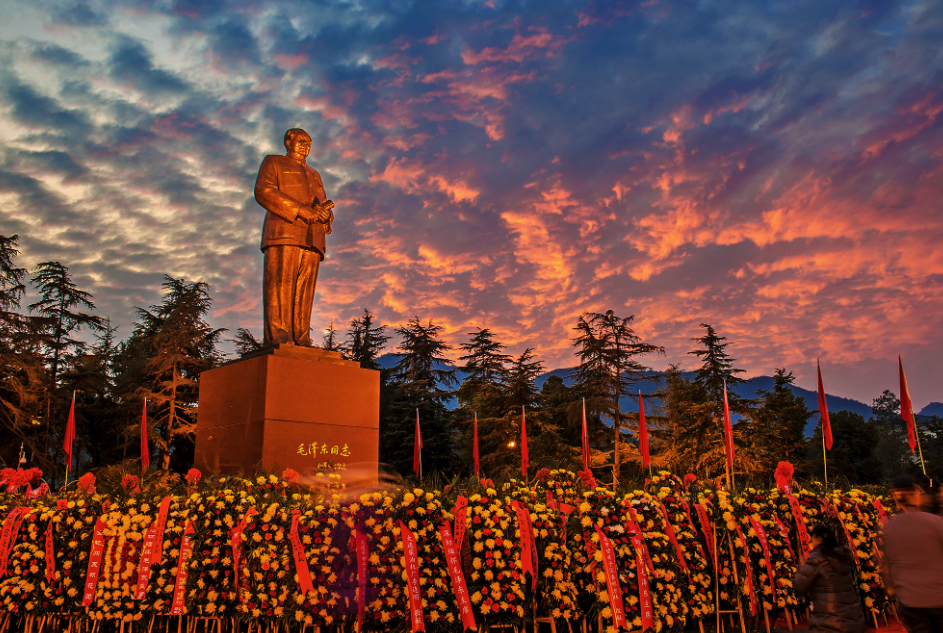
525 455
179 603
907 409
642 432
823 410
728 431
612 580
69 434
475 445
459 588
94 562
145 450
417 449
153 549
584 439
363 558
411 564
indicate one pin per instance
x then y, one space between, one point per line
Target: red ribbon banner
639 540
362 548
764 543
459 588
153 549
460 512
50 555
749 578
697 542
94 562
612 580
851 544
528 548
235 536
179 604
706 529
882 513
804 540
785 534
670 531
411 563
298 553
11 527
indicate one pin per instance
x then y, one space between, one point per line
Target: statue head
298 143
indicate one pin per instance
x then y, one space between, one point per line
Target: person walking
913 558
826 575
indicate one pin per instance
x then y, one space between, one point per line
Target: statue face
299 145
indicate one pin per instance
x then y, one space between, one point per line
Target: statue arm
271 199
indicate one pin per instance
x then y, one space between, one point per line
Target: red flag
524 455
823 410
728 430
475 446
69 434
417 449
907 408
584 439
642 432
145 451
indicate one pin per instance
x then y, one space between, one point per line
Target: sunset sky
772 168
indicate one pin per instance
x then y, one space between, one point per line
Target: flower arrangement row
267 550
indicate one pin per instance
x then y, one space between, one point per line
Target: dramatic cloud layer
775 169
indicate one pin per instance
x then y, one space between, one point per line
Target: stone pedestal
289 407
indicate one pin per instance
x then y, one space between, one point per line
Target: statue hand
307 215
322 214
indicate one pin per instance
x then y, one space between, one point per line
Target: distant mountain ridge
747 389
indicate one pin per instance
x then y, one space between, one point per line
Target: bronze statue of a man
298 216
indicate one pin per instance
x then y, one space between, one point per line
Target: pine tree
892 449
608 349
480 394
777 427
59 296
23 378
679 410
246 342
176 345
330 342
706 434
366 340
422 379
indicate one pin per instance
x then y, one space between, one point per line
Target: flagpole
824 458
919 448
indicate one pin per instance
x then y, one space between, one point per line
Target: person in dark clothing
913 558
826 575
